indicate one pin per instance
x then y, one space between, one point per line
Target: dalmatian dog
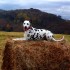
31 33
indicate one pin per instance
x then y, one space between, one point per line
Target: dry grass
5 35
36 55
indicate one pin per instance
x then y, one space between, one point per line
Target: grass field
5 35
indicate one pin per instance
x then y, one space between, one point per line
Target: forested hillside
12 20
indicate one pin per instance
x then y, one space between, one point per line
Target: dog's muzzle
25 28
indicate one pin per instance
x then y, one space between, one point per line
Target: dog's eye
27 24
23 23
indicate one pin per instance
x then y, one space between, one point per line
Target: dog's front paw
19 39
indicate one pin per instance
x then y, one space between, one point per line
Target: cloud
22 2
64 9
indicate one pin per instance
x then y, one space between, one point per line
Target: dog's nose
25 27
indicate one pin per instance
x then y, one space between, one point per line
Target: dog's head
26 25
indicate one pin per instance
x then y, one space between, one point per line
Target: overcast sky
58 7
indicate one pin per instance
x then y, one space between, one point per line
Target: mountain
12 20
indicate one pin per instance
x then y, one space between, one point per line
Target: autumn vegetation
12 20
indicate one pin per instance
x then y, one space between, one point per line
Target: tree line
12 20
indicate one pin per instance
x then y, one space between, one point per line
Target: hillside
12 20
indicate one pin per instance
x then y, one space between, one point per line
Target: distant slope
12 20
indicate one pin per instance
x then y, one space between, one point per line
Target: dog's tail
58 40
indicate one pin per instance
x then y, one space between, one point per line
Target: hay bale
36 55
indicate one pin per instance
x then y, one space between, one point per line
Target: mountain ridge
12 20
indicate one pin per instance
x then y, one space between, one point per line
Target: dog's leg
51 38
19 39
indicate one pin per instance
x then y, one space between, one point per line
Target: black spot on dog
32 37
34 33
31 28
44 38
40 37
30 32
28 35
41 30
37 34
35 29
44 34
38 30
48 36
52 36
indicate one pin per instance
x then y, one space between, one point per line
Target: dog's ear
30 20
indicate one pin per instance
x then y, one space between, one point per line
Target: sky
58 7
